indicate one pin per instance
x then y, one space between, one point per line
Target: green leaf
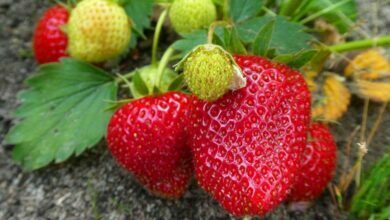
373 195
143 81
302 58
62 113
318 60
177 83
296 60
190 41
139 85
227 37
287 37
342 16
162 1
235 44
114 105
263 39
218 2
241 10
139 12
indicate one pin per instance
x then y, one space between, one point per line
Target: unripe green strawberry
189 15
98 30
210 72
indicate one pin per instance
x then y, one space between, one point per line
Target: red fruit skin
247 145
49 41
148 137
317 166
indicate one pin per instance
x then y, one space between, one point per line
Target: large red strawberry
247 145
318 164
148 138
50 42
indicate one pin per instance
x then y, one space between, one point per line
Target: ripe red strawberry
247 145
49 41
148 138
317 166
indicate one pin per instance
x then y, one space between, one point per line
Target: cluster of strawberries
250 149
93 31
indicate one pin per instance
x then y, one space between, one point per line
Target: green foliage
67 106
263 39
139 12
143 81
341 14
62 113
241 10
227 37
258 34
138 85
190 41
287 37
177 83
298 59
373 198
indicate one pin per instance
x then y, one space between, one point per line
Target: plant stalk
225 10
290 7
376 123
269 11
211 30
156 37
363 144
122 78
162 65
360 44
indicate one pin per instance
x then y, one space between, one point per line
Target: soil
92 186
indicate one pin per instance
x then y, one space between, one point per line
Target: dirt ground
92 186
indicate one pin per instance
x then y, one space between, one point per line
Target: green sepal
177 83
144 82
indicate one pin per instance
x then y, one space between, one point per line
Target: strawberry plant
235 99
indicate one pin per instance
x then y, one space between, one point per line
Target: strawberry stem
156 37
122 78
162 65
360 44
225 10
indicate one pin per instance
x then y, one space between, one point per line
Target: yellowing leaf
329 33
376 91
370 71
310 79
334 101
370 64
